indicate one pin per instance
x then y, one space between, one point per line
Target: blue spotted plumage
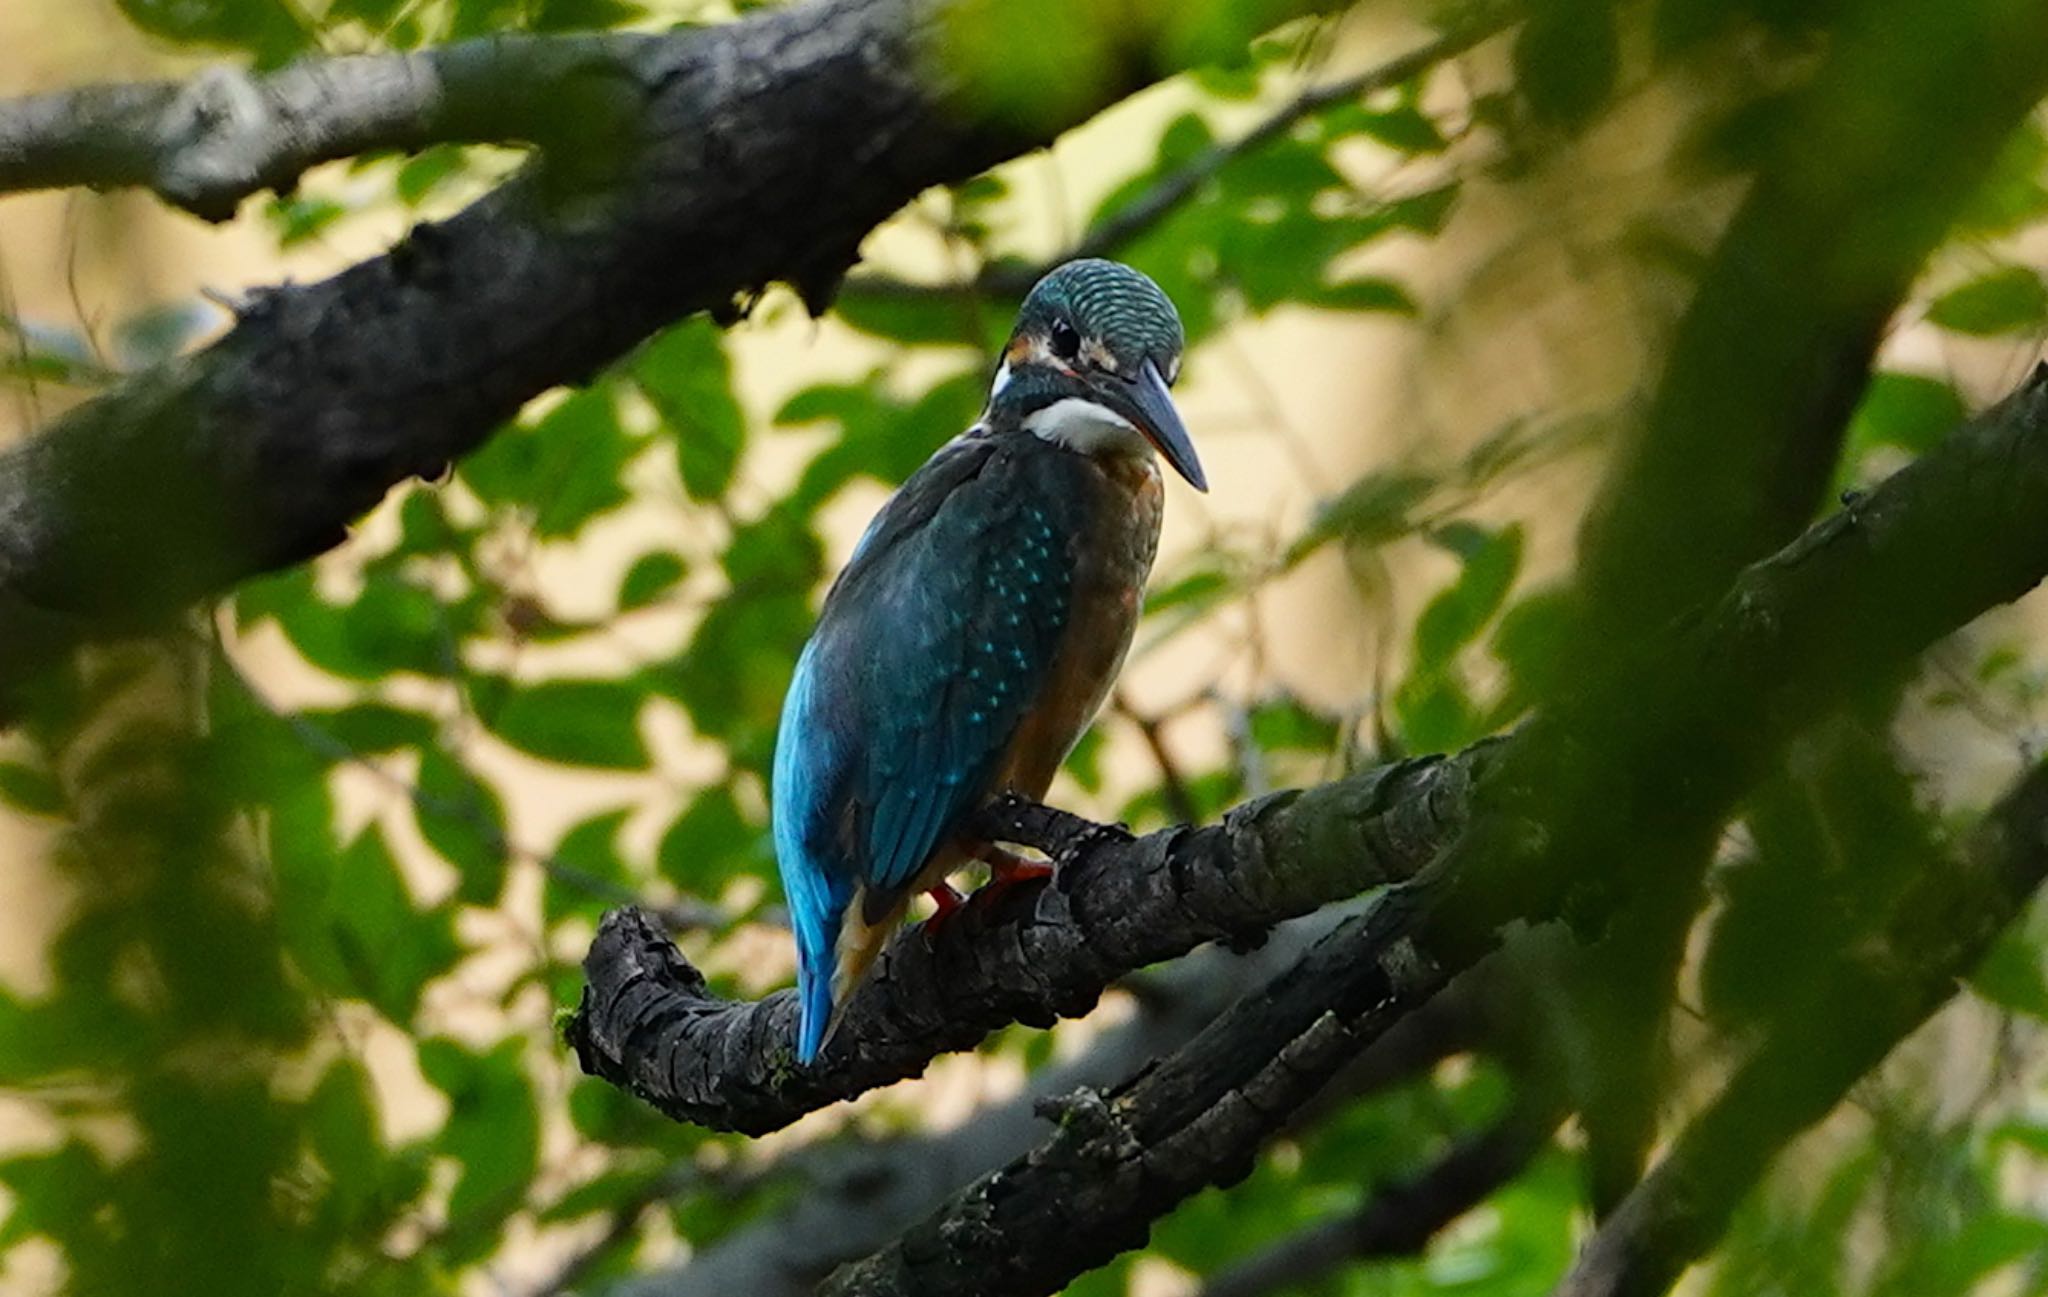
978 625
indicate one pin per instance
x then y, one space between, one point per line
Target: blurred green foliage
246 935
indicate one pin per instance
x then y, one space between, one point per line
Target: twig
1173 785
1401 1218
1136 218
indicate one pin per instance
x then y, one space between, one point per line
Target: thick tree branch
207 143
855 1199
1858 596
758 151
1944 924
647 1023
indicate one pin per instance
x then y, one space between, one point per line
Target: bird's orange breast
1115 558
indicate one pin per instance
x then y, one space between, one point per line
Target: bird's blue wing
950 626
929 652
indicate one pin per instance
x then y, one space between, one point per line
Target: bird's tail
830 963
818 900
814 987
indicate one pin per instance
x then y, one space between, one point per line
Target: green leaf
1435 712
2011 976
1455 617
1288 723
686 377
1530 641
576 722
2012 196
463 820
29 789
591 849
712 842
650 578
57 1193
915 319
1406 129
493 1131
2008 300
1567 59
268 29
366 728
1909 411
585 15
1202 588
1364 295
568 468
386 949
301 218
392 626
427 171
1375 509
341 1128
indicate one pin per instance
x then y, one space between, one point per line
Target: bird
977 626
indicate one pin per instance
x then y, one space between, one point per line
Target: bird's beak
1161 424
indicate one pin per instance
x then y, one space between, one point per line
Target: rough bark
855 1199
1039 953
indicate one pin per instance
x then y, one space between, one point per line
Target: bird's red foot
1007 869
949 902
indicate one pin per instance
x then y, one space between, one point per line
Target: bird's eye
1066 344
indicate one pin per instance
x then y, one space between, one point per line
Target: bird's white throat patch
1082 425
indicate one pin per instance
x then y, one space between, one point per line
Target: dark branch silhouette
1038 953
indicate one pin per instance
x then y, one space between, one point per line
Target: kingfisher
978 625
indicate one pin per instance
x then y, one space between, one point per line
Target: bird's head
1095 349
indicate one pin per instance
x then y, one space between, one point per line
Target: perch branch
648 1024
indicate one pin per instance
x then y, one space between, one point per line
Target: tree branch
1885 988
854 1200
758 151
207 143
647 1023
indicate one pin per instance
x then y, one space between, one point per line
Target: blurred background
291 900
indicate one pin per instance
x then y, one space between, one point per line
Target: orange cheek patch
1019 351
